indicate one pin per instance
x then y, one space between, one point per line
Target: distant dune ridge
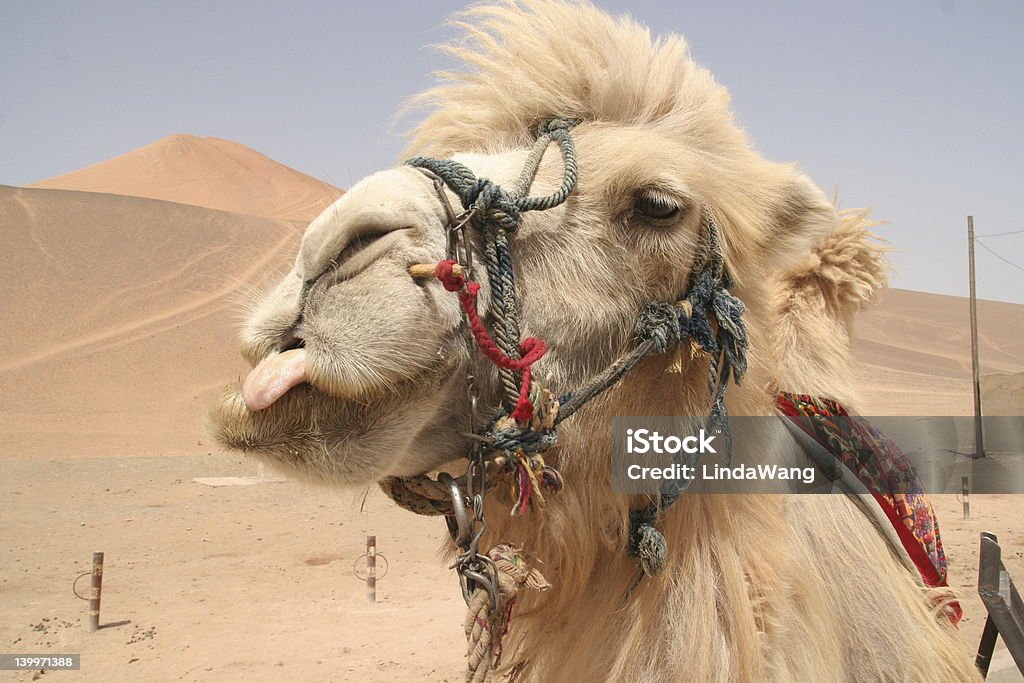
123 318
122 282
209 172
122 288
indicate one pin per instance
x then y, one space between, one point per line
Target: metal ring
74 585
355 566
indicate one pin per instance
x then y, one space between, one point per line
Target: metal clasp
458 522
455 230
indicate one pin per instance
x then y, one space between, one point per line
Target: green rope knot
554 124
492 204
527 440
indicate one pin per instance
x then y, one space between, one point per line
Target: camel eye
657 206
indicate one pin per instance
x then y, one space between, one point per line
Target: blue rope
707 300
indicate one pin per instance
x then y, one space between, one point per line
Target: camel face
359 370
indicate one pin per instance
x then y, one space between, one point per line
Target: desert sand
914 354
122 285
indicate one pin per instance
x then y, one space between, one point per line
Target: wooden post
979 444
95 590
965 490
371 569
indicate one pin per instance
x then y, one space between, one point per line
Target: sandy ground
219 584
256 582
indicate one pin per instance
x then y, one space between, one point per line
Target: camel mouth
352 359
310 434
281 435
295 338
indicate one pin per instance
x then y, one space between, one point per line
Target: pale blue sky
913 107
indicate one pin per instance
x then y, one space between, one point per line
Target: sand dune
119 317
208 172
126 292
936 328
1003 393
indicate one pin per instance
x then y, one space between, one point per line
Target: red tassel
532 349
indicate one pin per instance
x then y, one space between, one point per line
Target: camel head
360 368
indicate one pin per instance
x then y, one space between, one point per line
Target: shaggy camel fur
756 588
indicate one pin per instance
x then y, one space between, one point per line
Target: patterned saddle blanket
877 463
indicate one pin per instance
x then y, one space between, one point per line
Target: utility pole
979 444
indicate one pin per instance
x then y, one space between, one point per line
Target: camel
361 369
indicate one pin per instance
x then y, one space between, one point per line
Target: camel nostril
358 244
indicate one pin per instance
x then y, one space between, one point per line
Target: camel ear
801 218
832 255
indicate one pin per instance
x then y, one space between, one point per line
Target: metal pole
95 590
371 569
965 490
979 444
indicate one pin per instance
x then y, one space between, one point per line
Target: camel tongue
274 376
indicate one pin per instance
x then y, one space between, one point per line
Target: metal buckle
472 567
459 249
455 231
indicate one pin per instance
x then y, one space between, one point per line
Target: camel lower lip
273 377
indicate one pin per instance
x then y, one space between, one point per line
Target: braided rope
485 628
502 276
707 299
420 494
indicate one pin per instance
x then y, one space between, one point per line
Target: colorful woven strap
883 469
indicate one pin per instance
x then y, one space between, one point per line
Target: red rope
532 349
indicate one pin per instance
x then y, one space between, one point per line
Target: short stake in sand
95 590
371 569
